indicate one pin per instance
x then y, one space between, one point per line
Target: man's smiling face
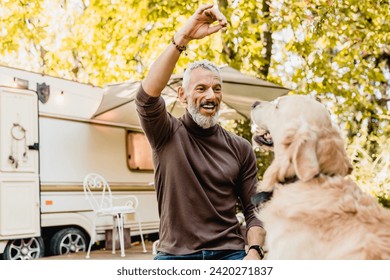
204 96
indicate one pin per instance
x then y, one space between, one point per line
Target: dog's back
326 218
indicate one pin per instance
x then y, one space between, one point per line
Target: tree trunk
267 39
223 6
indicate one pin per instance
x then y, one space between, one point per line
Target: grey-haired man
201 170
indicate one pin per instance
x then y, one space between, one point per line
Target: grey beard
202 121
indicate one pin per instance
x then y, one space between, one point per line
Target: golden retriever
309 208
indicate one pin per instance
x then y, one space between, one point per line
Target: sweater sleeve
248 185
154 118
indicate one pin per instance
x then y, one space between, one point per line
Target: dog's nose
255 104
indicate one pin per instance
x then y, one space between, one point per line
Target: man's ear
182 95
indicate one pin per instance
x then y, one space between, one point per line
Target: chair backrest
97 191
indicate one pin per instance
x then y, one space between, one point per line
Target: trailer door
19 176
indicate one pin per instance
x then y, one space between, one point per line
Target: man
200 168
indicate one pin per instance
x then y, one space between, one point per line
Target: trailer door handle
35 146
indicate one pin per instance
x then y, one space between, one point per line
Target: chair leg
121 234
90 246
93 238
114 230
141 234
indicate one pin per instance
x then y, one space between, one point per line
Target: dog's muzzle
263 139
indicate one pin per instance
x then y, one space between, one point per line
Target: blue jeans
204 255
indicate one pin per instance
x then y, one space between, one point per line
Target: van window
139 152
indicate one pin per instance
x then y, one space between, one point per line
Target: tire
24 249
68 240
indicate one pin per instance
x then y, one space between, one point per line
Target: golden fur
322 215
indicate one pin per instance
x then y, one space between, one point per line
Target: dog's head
305 142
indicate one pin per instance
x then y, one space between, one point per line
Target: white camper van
52 133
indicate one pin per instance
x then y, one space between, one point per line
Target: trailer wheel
24 249
68 240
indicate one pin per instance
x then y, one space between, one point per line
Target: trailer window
139 152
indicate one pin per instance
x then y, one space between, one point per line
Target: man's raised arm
198 26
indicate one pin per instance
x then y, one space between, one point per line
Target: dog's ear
303 155
332 155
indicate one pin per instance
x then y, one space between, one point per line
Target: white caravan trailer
49 140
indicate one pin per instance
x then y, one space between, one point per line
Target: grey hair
205 64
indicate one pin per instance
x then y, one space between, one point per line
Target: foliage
372 173
336 50
341 53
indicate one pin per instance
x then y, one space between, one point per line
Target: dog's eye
255 104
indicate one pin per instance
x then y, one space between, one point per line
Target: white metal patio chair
98 193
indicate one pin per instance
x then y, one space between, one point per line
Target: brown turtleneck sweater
199 174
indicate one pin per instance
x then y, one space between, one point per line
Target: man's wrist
180 48
181 39
258 249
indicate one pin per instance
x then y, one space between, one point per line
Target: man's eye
200 88
217 89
